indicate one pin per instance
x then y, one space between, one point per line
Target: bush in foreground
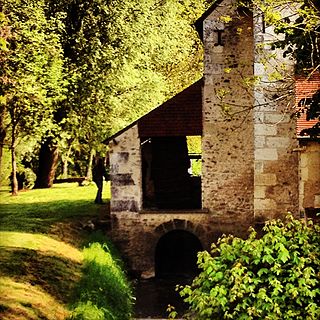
103 291
273 277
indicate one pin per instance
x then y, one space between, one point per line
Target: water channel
154 295
175 264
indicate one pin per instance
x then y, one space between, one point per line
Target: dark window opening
176 255
168 174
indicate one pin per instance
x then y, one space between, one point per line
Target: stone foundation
137 235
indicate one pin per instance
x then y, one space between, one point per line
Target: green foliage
276 276
194 146
88 311
121 59
31 73
103 289
124 58
26 178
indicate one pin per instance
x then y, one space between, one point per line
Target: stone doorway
167 181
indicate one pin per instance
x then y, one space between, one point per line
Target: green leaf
283 254
262 271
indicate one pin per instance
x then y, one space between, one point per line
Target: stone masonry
309 191
125 172
227 142
275 162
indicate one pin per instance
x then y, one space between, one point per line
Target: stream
154 295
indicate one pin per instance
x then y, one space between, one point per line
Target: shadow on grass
56 275
40 216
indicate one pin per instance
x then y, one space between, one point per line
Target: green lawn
38 210
44 272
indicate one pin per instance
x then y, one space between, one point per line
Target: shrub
86 311
103 289
276 276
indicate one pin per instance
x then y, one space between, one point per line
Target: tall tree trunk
1 152
65 169
89 168
65 161
48 161
2 138
14 165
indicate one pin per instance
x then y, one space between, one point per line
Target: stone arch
176 250
180 224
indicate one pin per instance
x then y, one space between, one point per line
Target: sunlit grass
36 210
40 243
59 192
103 291
43 273
26 301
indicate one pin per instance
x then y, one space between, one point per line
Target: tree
4 34
31 76
123 58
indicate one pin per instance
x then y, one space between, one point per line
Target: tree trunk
1 152
65 169
89 168
14 167
48 161
65 159
2 138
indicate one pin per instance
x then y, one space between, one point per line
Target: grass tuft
104 285
25 301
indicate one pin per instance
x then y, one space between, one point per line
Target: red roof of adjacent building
305 87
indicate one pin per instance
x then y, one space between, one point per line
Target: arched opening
176 255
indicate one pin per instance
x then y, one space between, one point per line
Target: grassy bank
44 271
39 210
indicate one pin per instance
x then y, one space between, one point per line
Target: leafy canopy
31 73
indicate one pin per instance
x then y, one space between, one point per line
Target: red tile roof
179 116
305 88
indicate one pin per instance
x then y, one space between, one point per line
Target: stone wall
309 175
125 172
276 163
136 232
227 143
